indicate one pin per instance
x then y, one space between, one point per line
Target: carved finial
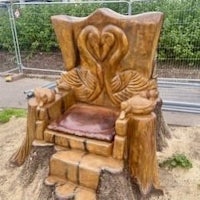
137 105
44 96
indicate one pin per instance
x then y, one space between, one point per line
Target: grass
177 160
6 114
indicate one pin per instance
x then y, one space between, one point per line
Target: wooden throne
101 115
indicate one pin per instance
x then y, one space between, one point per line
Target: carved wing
127 84
82 82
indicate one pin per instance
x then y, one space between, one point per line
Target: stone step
81 168
69 190
74 142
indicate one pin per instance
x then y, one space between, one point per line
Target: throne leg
142 160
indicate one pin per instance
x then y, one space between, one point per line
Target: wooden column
142 152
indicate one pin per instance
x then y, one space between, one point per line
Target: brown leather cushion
87 120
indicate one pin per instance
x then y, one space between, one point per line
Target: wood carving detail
100 55
109 60
129 83
84 84
44 96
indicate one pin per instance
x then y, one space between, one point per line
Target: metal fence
179 47
30 26
9 58
33 28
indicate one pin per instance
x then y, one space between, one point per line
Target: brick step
81 168
69 190
74 142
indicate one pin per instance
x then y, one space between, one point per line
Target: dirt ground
53 61
178 184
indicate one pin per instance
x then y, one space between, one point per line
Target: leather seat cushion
88 121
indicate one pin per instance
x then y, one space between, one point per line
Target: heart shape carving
100 44
107 41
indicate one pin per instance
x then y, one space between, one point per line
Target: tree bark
116 186
19 157
162 129
34 170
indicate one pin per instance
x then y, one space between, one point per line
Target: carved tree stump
142 161
109 62
20 155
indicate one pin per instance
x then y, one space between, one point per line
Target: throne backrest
108 57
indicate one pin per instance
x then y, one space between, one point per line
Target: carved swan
122 84
86 80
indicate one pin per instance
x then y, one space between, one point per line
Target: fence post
129 7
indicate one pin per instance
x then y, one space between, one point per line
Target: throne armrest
51 111
57 107
37 120
137 105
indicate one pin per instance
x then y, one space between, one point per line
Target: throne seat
88 121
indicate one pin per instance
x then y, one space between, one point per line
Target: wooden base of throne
94 155
81 161
76 167
76 173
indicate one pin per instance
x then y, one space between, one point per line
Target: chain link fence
34 49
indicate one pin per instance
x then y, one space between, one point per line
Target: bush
177 160
181 31
6 41
34 29
180 35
